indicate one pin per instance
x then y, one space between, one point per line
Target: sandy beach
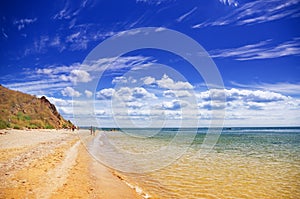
54 164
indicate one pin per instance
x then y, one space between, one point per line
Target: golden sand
54 164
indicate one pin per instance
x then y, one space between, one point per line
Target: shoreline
55 164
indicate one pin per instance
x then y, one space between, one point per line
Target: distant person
91 130
94 130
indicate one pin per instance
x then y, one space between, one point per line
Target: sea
195 163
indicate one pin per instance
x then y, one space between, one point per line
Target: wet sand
54 164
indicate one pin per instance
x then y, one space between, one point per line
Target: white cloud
171 105
125 94
261 50
114 63
43 43
52 79
106 93
120 79
70 92
100 112
139 93
88 93
177 93
4 33
168 83
155 2
182 17
130 94
218 95
230 2
39 87
160 29
281 87
244 107
46 71
148 80
77 76
70 9
209 105
134 105
255 12
22 23
73 37
139 113
60 102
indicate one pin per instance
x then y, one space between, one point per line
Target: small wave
138 190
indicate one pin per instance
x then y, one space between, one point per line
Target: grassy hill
19 110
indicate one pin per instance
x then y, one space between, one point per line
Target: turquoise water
171 163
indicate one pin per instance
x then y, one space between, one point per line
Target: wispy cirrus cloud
70 10
182 17
83 34
255 12
261 50
155 2
280 87
22 23
39 87
230 2
53 79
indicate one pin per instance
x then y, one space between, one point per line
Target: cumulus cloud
59 102
241 94
177 93
70 92
171 105
100 112
123 80
120 79
212 105
106 93
137 93
46 71
77 76
88 93
139 113
168 83
134 105
148 80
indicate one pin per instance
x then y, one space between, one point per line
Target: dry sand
54 164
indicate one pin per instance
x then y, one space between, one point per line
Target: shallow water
244 163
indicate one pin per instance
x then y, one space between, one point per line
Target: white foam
138 190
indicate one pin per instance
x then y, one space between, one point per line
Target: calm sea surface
244 163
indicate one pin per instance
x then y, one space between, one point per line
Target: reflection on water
245 163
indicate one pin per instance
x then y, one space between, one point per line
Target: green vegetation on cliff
19 110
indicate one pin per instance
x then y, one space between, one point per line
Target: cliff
19 110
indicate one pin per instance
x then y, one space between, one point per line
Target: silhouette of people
92 130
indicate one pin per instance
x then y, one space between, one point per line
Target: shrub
17 127
36 124
49 126
4 124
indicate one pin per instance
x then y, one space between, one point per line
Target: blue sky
254 44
